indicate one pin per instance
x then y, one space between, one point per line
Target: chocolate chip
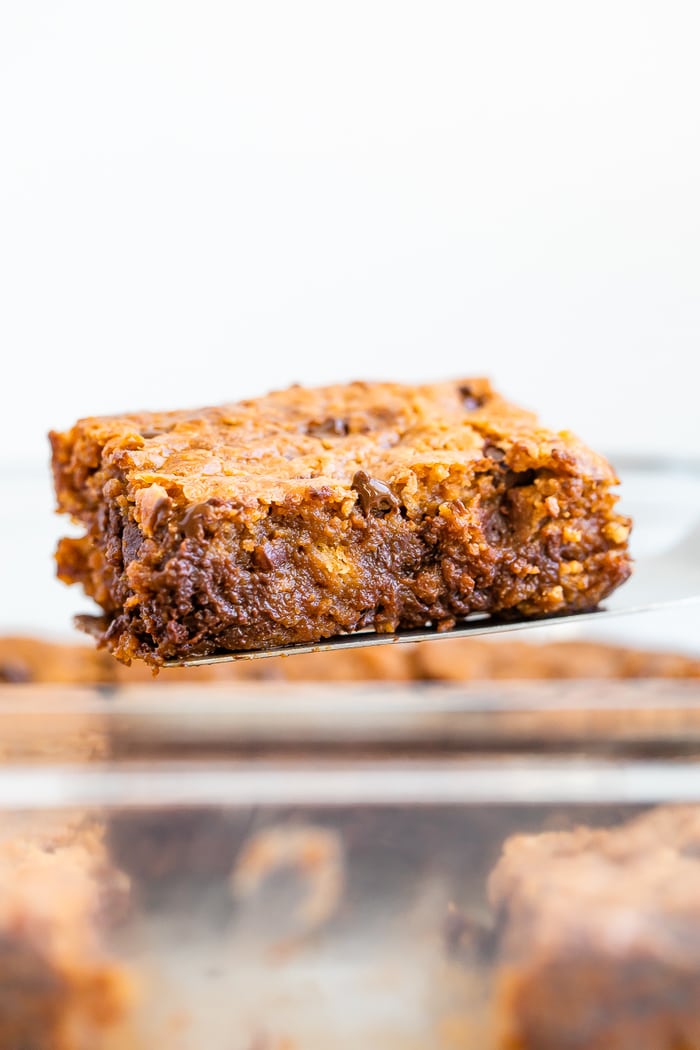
470 399
159 513
195 520
518 479
15 672
332 427
153 507
495 453
375 496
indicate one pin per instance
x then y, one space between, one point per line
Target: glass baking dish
244 867
421 866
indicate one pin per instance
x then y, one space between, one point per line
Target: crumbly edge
236 583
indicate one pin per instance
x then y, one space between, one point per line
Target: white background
203 200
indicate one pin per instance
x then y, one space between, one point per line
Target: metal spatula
671 578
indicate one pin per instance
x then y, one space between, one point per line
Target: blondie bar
599 936
316 512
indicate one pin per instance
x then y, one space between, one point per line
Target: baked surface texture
599 935
59 988
310 513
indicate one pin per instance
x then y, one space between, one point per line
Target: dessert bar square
310 513
60 987
599 934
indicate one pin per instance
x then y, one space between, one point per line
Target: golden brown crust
599 935
310 513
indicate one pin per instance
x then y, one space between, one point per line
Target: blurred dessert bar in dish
310 513
599 936
61 989
35 660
